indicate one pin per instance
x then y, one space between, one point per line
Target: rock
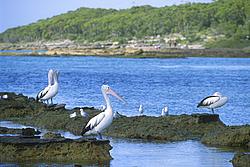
51 135
15 149
206 118
241 160
235 136
169 128
29 132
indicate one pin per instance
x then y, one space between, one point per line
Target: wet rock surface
241 160
25 149
234 136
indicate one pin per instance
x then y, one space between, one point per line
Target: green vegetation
222 23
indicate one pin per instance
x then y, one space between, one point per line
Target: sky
15 13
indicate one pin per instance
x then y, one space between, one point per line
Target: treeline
230 18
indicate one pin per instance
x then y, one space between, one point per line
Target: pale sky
15 13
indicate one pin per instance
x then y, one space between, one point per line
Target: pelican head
107 90
217 94
56 75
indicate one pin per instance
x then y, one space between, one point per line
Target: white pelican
52 90
214 101
141 110
50 83
164 111
101 121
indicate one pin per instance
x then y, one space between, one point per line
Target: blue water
178 83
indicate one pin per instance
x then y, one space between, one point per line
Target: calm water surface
178 83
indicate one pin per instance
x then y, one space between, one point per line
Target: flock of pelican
104 119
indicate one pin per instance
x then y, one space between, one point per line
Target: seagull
50 83
81 113
101 121
164 111
141 110
214 101
52 90
73 115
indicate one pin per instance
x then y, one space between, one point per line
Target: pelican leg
99 135
47 101
51 101
212 110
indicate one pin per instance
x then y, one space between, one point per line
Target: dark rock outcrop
57 150
50 135
241 160
235 136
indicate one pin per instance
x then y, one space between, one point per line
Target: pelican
214 101
50 83
141 110
52 90
164 111
101 121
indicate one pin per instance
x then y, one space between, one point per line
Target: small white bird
83 113
141 110
164 111
73 115
214 101
80 113
101 121
5 96
50 91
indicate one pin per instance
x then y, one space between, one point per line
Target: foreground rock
241 160
61 150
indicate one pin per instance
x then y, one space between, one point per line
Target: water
131 152
178 83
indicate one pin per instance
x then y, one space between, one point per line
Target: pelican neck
107 100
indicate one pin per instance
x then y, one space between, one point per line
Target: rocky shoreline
123 52
208 128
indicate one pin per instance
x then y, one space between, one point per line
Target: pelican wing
93 122
43 92
208 101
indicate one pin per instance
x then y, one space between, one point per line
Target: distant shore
126 52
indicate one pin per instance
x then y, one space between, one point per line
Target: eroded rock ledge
25 149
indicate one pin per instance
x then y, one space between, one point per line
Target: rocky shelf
208 128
